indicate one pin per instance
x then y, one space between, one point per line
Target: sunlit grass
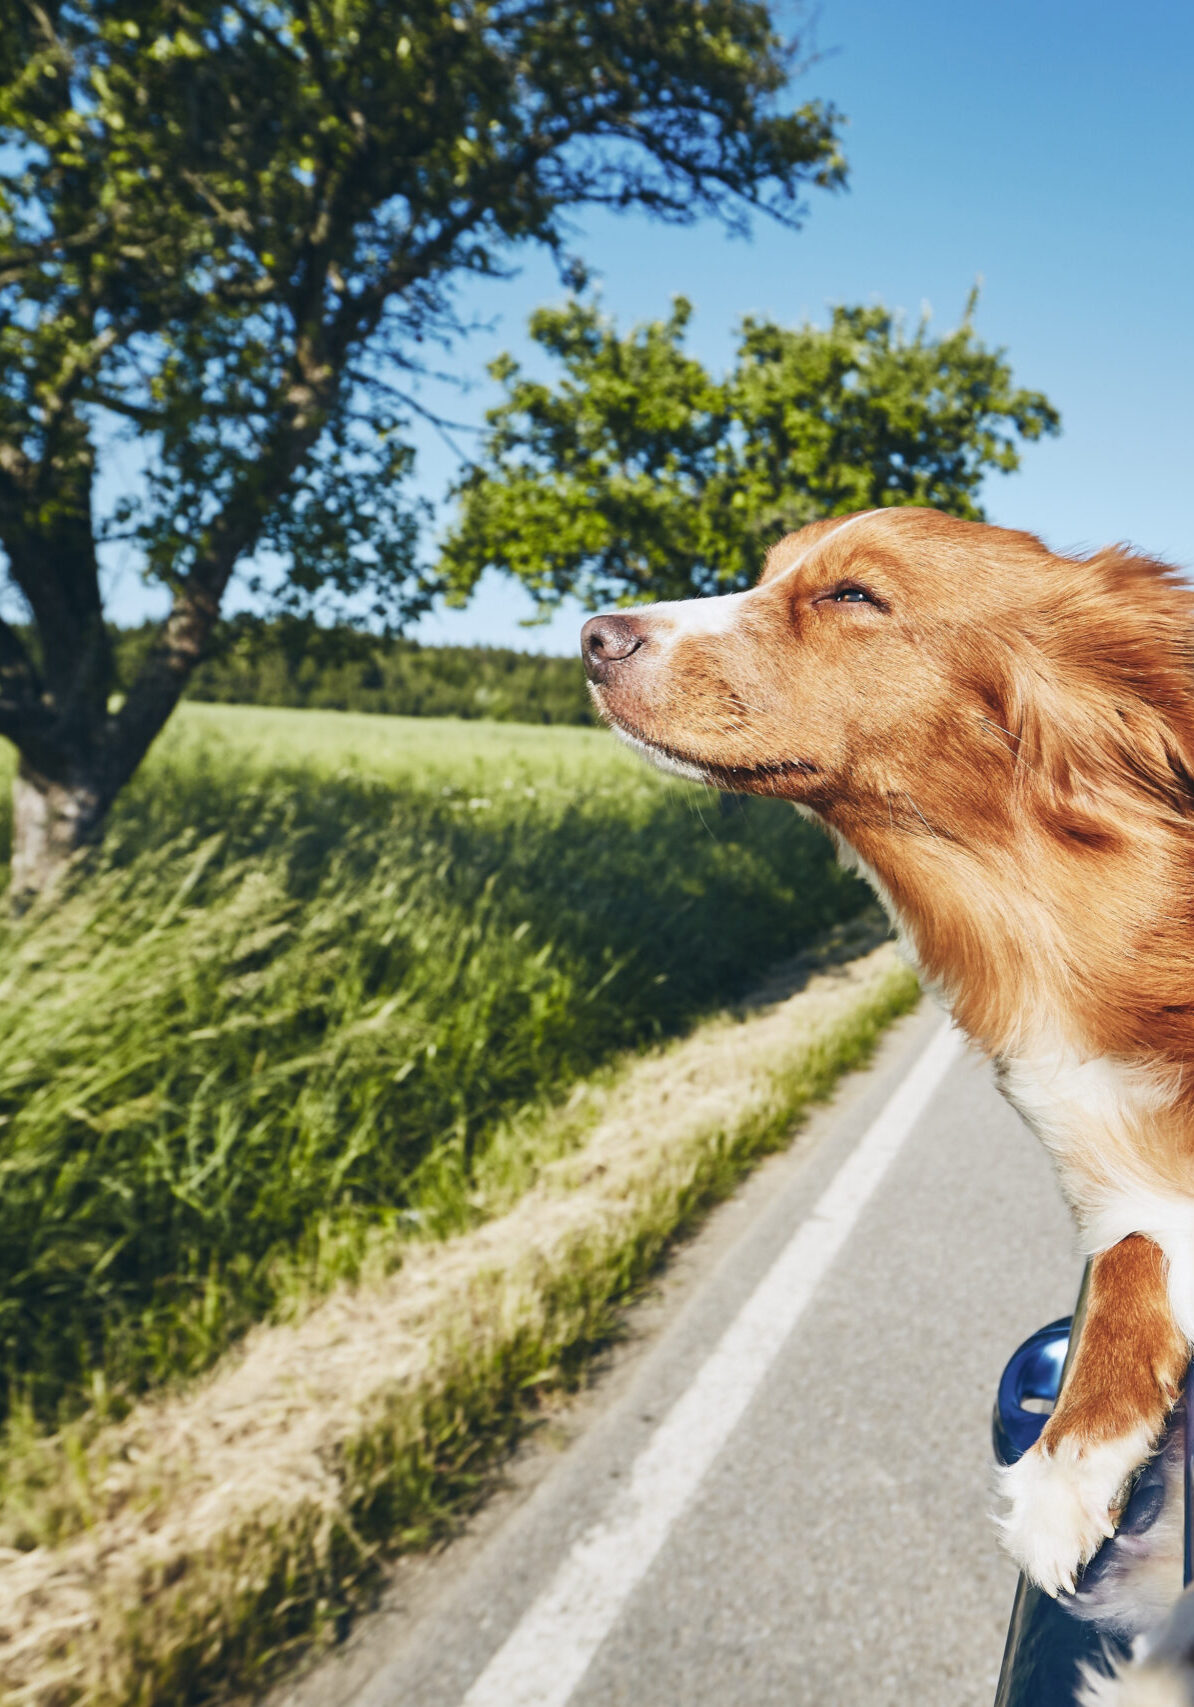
142 1572
423 749
321 960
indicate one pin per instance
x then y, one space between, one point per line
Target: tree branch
318 65
17 668
184 637
18 261
25 719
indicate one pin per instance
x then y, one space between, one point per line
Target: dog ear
1101 701
1156 750
1134 645
1044 741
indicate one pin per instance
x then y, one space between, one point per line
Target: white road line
551 1648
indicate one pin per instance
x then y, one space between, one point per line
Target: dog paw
1065 1502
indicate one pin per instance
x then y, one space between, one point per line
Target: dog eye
852 594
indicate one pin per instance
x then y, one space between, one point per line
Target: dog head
907 667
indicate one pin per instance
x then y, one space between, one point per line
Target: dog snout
606 641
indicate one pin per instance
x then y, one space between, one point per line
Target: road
806 1526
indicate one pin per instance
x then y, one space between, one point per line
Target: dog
1001 740
1160 1672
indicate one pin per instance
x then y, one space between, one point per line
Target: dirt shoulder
234 1522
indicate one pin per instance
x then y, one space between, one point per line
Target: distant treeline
255 662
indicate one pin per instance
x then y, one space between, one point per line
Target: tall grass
312 971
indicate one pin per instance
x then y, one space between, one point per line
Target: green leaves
235 197
640 475
233 227
608 480
861 415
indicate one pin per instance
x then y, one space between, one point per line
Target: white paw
1062 1505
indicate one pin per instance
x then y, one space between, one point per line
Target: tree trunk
61 799
51 821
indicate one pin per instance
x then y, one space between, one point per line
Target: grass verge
214 1532
238 1059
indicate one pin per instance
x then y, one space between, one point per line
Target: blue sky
1042 145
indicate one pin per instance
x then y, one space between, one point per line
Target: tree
639 475
233 227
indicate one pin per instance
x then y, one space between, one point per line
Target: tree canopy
638 474
234 228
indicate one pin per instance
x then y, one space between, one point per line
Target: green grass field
321 962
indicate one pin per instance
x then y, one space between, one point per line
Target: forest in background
289 663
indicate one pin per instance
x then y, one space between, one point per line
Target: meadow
275 1028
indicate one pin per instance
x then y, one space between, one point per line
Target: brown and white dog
1002 741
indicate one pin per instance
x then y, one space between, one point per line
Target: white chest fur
1082 1107
1097 1117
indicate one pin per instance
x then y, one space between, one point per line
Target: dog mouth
695 769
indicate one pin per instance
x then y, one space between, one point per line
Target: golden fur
1002 739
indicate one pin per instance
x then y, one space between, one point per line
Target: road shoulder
441 1616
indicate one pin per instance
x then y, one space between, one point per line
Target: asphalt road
832 1544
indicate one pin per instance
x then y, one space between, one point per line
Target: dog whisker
1018 752
920 815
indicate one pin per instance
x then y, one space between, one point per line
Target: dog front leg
1067 1492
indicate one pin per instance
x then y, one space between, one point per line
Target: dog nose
608 640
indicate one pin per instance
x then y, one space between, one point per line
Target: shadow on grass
235 1058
